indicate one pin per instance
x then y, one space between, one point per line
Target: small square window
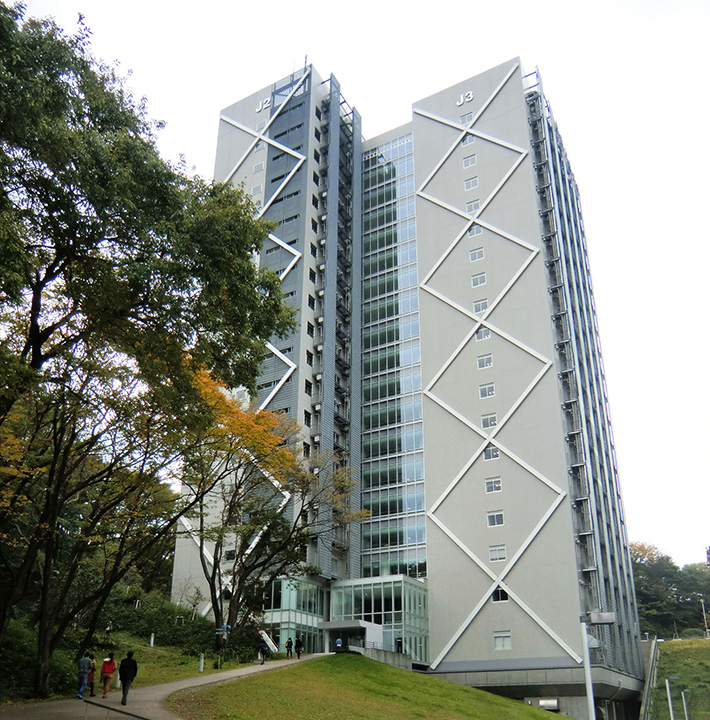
256 190
260 125
466 119
495 518
484 361
480 306
499 595
475 230
482 333
470 183
258 167
476 254
496 553
473 206
469 161
478 279
502 641
493 484
487 390
489 421
468 139
491 453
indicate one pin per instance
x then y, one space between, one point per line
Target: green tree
105 242
120 278
266 507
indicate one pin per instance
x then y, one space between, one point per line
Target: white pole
152 639
670 701
588 673
685 707
202 662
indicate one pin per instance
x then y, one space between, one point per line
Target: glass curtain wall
393 538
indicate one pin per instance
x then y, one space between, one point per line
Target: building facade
448 346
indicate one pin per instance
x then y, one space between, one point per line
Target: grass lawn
345 687
689 660
164 664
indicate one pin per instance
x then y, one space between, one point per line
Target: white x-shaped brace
479 321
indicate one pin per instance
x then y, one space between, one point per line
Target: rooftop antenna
305 62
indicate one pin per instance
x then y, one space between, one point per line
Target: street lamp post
592 618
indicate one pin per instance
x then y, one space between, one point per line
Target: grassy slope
346 687
690 661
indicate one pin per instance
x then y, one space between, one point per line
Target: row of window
393 471
399 303
393 384
383 534
392 412
391 331
390 235
389 502
390 282
391 357
387 442
394 256
388 214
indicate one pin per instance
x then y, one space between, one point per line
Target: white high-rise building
448 344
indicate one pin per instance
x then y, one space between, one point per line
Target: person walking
289 648
84 668
108 668
127 672
90 678
298 647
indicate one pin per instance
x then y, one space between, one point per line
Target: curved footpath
148 702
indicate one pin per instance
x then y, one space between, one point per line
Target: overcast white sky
627 81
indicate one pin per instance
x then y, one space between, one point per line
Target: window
256 189
475 230
316 178
307 422
314 201
306 450
230 554
318 115
480 306
312 275
473 206
470 183
493 484
311 302
489 421
258 167
499 595
495 518
468 139
487 390
478 279
260 125
466 119
484 361
310 329
316 134
308 387
491 453
496 553
469 161
316 156
502 640
476 254
309 358
482 333
314 250
314 226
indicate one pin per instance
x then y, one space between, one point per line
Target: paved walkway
146 702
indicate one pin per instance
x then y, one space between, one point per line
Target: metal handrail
646 700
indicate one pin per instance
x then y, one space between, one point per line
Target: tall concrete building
448 344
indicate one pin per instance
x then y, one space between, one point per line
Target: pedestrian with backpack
108 669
